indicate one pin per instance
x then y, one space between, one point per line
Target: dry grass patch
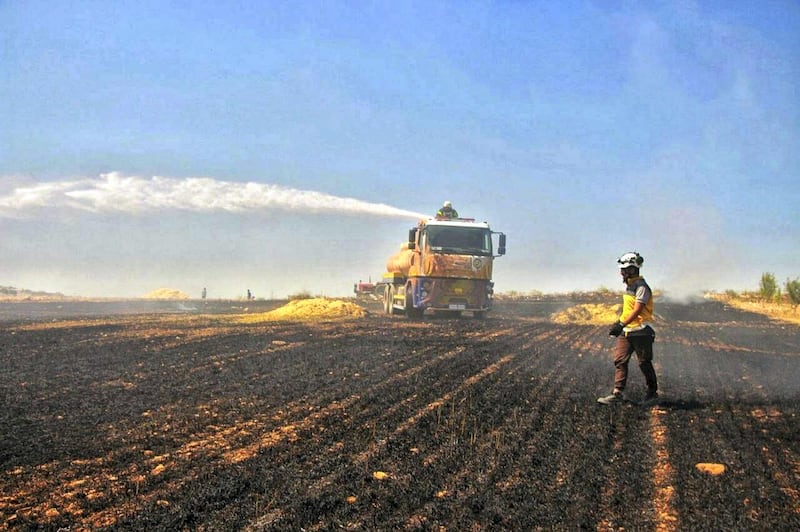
166 293
588 314
775 311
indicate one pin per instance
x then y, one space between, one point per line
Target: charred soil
170 421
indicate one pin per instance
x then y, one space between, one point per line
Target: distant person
203 295
447 211
634 332
249 295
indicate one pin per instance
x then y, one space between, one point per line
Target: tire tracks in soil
442 400
104 481
220 446
379 452
729 426
396 419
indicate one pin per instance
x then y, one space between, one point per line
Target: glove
616 329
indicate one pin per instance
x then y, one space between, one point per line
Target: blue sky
580 129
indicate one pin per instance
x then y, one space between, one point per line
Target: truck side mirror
412 235
501 248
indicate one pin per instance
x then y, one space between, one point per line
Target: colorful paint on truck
446 265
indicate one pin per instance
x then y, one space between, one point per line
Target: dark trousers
643 347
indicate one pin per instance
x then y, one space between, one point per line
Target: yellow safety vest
637 290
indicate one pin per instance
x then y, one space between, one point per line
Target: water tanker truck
446 266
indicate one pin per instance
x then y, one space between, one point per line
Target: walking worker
634 332
447 211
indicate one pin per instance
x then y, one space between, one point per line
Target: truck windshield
460 240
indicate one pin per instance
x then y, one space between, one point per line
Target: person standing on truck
633 331
447 212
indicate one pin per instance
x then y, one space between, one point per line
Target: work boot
615 397
650 399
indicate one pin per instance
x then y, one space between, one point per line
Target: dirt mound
588 313
166 293
309 309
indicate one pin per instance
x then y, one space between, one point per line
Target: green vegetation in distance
768 287
793 291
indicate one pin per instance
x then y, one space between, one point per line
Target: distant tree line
770 291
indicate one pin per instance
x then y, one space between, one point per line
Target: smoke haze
114 192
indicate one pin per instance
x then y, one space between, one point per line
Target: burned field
197 421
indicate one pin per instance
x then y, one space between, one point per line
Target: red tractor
367 290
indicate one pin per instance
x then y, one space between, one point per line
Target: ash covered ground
181 417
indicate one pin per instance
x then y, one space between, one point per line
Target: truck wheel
387 299
412 312
479 314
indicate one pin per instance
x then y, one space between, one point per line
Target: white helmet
447 204
632 258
